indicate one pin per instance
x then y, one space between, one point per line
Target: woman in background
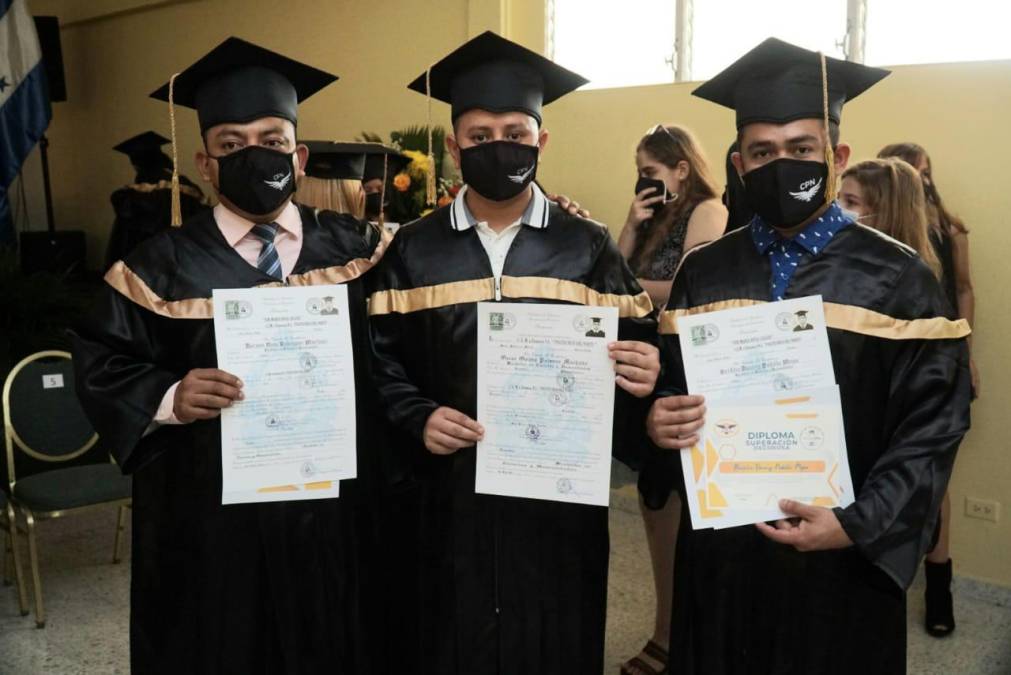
333 178
676 207
889 195
951 242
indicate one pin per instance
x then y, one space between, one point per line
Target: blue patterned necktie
268 262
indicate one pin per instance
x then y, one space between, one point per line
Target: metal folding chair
43 420
11 554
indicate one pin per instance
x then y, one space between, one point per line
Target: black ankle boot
940 613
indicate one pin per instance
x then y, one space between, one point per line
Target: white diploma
293 436
546 400
773 421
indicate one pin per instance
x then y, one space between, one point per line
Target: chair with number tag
44 426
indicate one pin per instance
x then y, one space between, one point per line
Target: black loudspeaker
62 253
48 28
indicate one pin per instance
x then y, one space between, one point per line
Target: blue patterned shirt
786 255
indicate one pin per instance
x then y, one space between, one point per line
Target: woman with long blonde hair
950 239
887 194
333 178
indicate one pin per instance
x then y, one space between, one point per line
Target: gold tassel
177 209
382 195
430 191
830 189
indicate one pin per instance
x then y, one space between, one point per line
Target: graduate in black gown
144 208
822 592
252 588
497 584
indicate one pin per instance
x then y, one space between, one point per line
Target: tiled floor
87 604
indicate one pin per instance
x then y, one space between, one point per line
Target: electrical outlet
982 509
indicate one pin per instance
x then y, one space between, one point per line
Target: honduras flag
24 99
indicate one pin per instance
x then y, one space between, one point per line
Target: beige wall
377 47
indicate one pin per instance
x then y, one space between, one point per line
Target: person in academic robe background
144 208
333 178
497 585
823 589
250 588
381 163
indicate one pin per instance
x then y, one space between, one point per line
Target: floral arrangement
407 190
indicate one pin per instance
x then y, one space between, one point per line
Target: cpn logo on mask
521 175
280 181
808 189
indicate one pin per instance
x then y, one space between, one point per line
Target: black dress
499 585
745 605
250 588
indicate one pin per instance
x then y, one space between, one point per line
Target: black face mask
373 204
499 170
660 190
786 192
258 180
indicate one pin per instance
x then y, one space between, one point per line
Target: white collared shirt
497 244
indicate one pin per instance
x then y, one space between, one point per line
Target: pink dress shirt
237 231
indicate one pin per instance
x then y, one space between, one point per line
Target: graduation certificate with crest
546 401
774 427
293 436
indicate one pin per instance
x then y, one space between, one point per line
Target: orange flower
402 182
445 199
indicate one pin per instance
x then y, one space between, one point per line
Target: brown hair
939 215
340 195
670 148
893 192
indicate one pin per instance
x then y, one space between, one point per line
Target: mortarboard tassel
382 196
830 189
430 174
177 211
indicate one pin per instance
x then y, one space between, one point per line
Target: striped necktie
268 262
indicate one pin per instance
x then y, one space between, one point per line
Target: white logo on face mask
808 189
279 183
521 176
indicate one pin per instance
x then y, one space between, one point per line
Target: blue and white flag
24 98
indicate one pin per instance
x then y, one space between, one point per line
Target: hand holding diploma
814 528
204 392
448 430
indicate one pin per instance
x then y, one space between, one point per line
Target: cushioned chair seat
72 487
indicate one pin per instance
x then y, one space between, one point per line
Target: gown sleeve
406 406
117 352
893 517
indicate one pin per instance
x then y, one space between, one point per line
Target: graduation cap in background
142 147
332 160
492 73
238 82
778 82
381 160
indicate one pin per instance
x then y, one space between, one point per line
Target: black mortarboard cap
336 160
497 75
779 82
375 154
239 82
142 145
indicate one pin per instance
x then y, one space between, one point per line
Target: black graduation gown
746 605
144 208
493 584
252 588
